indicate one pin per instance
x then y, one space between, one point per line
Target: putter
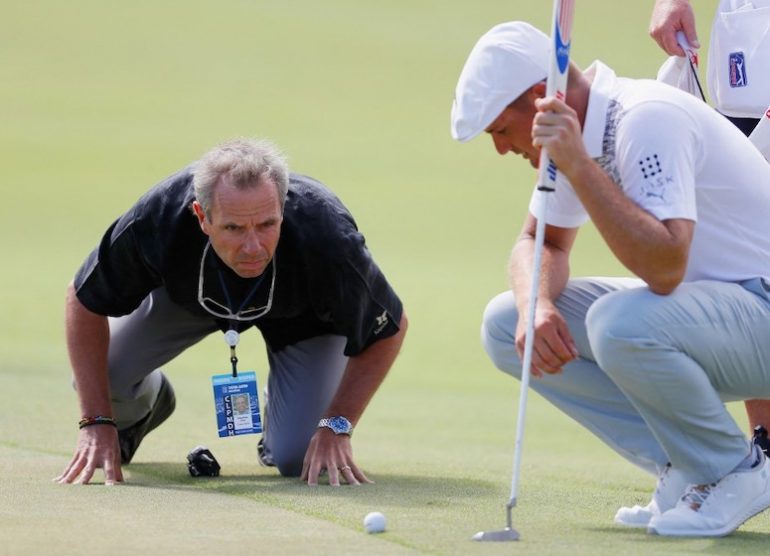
556 85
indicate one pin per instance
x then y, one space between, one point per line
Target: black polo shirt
326 281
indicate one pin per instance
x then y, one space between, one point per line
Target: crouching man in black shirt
230 242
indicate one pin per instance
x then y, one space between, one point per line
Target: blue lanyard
228 300
246 299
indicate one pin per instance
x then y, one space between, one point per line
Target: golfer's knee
613 332
288 458
289 468
498 328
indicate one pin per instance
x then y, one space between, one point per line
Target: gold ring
345 468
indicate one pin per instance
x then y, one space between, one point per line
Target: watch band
338 425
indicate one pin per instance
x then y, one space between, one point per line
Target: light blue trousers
302 381
654 371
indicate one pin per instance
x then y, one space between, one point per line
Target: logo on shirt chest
381 322
737 70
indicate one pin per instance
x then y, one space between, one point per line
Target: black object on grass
202 463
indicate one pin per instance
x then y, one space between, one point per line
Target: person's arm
758 412
88 339
654 250
553 345
363 375
668 17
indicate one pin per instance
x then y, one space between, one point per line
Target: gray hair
245 163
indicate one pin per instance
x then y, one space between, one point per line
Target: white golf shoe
717 509
671 486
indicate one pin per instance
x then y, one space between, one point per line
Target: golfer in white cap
681 199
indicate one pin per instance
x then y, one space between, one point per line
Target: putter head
503 535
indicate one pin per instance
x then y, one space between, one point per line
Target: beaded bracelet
97 420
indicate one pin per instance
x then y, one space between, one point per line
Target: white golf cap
506 61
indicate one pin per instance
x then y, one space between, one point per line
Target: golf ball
374 522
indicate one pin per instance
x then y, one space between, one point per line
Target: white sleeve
564 208
657 149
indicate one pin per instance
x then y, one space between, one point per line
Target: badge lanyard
236 401
226 312
232 336
235 398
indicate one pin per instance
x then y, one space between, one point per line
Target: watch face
340 425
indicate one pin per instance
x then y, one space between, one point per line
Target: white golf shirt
676 158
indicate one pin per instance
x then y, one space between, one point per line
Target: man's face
241 405
245 226
512 129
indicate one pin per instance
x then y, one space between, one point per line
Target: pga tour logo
737 70
562 56
563 27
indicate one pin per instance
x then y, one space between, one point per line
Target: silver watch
338 424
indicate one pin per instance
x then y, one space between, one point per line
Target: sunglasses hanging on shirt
242 314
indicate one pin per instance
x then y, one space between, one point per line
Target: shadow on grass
717 545
406 490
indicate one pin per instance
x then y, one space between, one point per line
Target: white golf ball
374 522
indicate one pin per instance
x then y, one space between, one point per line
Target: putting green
148 515
100 101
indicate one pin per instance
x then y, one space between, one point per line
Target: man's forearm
554 271
364 374
88 336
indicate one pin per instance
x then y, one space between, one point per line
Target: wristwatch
338 424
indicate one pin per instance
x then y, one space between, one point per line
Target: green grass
101 100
